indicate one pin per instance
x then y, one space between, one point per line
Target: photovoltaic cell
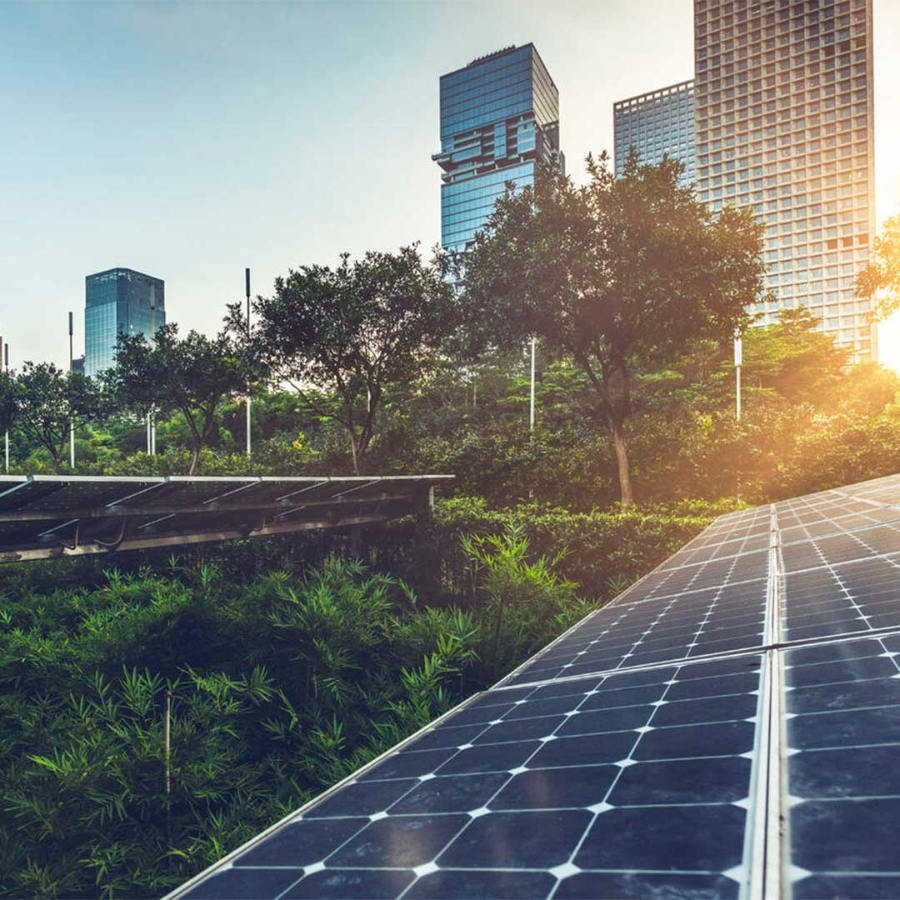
752 678
651 631
49 516
573 787
843 703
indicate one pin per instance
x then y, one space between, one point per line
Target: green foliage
190 375
43 403
274 689
795 359
879 281
350 331
526 601
620 274
593 549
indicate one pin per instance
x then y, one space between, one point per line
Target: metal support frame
145 513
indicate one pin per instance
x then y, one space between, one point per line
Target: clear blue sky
189 140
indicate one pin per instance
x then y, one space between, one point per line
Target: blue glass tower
117 301
657 124
499 120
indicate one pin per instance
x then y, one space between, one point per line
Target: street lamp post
531 401
5 366
247 289
71 371
151 418
738 361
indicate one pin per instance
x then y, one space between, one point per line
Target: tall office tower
117 301
657 124
499 120
784 123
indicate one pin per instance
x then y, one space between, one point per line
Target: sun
889 342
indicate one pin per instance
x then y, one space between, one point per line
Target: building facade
119 301
657 124
784 124
499 121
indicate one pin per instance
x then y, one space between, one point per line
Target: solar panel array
47 516
729 726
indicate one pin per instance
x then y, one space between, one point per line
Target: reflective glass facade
784 123
657 124
499 118
118 300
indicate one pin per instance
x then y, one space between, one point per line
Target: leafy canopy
620 273
351 330
190 375
44 402
882 274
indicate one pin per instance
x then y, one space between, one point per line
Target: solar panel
843 777
522 790
48 516
729 726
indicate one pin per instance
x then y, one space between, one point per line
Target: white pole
248 424
247 287
5 365
151 421
531 407
738 361
71 423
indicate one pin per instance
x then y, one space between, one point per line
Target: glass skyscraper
784 99
119 301
499 120
783 122
657 124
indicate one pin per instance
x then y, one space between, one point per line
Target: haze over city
189 140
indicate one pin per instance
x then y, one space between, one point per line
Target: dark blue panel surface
647 632
617 764
843 729
567 781
838 600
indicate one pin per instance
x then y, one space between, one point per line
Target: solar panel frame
512 793
44 516
811 633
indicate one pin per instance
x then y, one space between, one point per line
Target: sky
189 140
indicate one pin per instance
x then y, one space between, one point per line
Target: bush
274 689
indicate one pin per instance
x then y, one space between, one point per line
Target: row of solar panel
621 786
631 757
46 515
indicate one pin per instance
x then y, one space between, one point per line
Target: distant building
499 120
784 100
119 301
78 365
782 103
657 124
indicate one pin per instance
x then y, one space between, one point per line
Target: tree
47 402
796 359
350 331
883 271
190 375
619 273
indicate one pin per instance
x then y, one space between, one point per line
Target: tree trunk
195 459
626 494
358 452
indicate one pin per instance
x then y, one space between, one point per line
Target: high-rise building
119 301
657 124
784 123
499 120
